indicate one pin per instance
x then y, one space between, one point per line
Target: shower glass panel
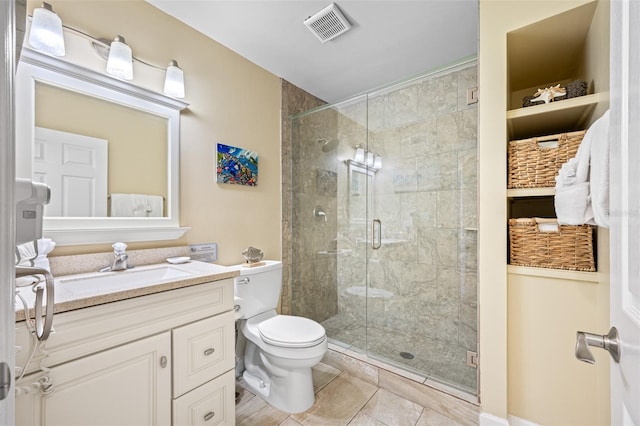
328 223
391 270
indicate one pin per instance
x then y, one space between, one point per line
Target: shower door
421 260
383 225
329 221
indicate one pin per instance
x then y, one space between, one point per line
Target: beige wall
232 101
505 390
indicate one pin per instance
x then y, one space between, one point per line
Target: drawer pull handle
163 361
209 416
209 351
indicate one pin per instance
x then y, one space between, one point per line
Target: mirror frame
356 167
37 67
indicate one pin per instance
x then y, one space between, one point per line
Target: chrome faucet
120 258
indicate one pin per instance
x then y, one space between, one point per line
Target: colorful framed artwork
237 165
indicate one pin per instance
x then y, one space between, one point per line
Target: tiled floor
432 358
344 399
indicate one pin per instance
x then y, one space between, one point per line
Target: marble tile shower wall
294 101
425 196
313 238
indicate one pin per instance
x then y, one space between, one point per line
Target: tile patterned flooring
342 398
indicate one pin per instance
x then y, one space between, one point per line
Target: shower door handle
376 244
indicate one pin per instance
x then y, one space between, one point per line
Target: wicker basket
568 247
532 165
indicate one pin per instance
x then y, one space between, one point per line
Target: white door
75 168
625 209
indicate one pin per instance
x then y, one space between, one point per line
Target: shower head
328 145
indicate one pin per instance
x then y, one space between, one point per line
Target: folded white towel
136 205
154 206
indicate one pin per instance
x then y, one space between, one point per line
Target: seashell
252 254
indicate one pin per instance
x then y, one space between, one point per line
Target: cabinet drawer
202 351
211 404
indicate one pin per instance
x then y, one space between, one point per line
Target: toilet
274 352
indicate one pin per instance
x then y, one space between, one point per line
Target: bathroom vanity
157 351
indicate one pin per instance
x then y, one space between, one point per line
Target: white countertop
85 290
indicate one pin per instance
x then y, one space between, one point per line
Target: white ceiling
389 40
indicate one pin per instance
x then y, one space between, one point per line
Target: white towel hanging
582 184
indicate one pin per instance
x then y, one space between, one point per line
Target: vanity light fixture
46 31
359 157
365 158
174 80
377 162
370 159
120 62
46 35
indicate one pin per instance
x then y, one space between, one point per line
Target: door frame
7 210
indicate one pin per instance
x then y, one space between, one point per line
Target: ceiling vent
328 24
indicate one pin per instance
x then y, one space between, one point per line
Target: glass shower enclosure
384 224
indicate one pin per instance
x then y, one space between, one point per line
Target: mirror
360 191
90 151
108 150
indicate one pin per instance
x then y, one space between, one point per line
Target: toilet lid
291 331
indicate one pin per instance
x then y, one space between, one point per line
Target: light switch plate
207 252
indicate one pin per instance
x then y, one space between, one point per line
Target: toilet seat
291 332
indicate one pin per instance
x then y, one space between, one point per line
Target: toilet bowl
277 351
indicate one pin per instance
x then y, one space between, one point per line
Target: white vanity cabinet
127 385
160 359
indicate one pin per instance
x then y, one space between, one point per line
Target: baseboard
517 421
486 419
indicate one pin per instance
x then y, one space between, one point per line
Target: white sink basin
112 282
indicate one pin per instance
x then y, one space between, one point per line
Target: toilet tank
257 289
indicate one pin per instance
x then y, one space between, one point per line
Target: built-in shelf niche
551 52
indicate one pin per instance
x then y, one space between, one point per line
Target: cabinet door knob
163 361
209 351
209 416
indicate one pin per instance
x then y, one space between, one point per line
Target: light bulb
46 31
359 157
120 62
174 80
377 162
370 159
